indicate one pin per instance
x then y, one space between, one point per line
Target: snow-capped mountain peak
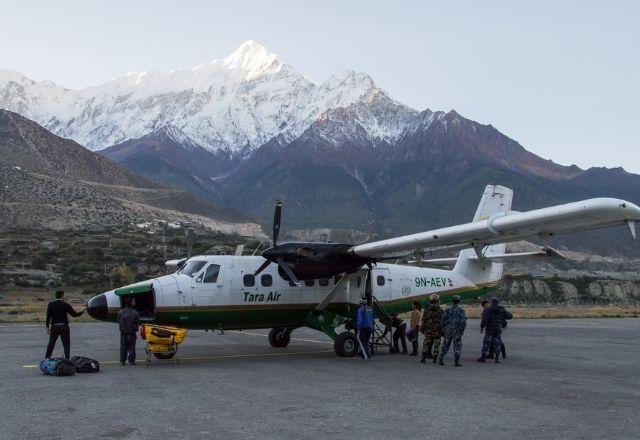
240 101
254 59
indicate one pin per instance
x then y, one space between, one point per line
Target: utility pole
164 242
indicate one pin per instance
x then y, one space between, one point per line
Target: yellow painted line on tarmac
293 339
222 356
227 356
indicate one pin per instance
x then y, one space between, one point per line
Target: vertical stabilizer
495 202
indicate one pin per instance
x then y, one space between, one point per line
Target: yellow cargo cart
162 342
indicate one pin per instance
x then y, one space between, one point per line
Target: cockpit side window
211 273
192 267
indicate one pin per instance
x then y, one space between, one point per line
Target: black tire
279 337
346 344
164 355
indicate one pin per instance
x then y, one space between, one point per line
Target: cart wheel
164 355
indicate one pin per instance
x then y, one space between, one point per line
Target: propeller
271 252
277 216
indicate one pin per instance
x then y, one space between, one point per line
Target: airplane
319 285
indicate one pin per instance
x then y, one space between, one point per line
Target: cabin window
358 282
249 280
211 273
266 280
309 283
323 282
380 280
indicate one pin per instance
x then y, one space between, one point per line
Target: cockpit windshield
192 267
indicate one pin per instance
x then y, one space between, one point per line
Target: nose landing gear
280 337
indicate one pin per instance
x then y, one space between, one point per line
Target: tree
123 275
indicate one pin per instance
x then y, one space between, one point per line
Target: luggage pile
68 367
162 341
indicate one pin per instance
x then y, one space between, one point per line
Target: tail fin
496 200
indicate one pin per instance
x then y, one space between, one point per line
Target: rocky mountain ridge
54 183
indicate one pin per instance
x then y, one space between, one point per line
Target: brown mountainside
51 182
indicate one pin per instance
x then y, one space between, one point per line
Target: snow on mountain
231 104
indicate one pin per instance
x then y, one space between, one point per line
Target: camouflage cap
495 300
434 297
456 298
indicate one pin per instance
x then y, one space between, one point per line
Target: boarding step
382 328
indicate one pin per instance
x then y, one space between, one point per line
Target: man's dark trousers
128 347
399 335
63 331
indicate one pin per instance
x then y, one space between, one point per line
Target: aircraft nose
97 307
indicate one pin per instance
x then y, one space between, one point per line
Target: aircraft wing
546 253
511 226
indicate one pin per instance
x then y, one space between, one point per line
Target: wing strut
336 288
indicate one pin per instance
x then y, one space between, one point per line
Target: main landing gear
346 344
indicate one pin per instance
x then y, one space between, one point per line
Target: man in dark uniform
484 302
58 323
128 322
494 320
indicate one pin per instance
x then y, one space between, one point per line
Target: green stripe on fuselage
280 315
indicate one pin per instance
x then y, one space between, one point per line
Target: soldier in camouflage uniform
431 328
454 321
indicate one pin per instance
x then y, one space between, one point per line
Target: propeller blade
277 214
288 271
189 242
262 267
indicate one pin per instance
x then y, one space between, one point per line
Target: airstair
381 320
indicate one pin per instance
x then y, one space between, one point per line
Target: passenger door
381 284
207 285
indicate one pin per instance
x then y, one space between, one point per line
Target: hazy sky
560 77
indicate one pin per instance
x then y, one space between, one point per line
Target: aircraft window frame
189 264
323 282
203 277
309 283
264 277
246 277
380 280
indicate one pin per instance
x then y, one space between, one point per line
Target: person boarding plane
319 285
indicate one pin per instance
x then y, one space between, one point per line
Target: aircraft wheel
346 344
279 337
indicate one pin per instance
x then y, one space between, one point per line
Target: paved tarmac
563 379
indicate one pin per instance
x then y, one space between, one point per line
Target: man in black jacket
484 302
494 320
128 318
58 323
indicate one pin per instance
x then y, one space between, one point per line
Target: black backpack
85 364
